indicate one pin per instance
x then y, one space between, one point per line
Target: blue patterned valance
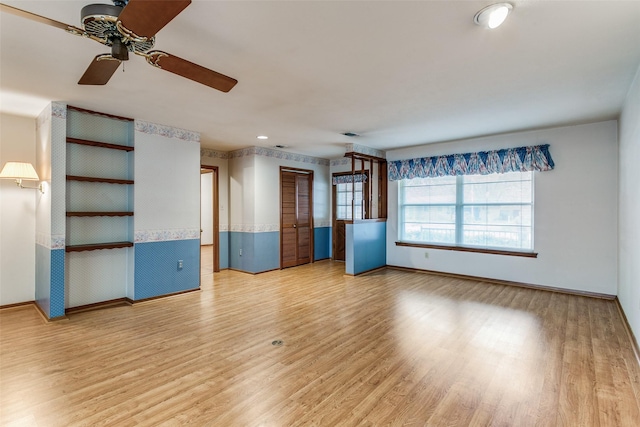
521 159
348 179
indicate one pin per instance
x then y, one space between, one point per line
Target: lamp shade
19 170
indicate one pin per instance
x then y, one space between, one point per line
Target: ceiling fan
130 26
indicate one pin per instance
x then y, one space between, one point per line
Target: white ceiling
397 73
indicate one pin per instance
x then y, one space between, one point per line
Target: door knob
295 226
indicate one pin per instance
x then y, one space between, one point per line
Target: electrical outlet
426 254
180 264
240 252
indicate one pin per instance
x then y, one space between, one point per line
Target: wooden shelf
121 213
96 246
94 179
98 144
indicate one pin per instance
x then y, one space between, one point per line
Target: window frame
365 196
459 207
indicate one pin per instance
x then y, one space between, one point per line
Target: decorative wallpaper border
322 223
55 241
145 236
341 162
355 148
58 242
213 154
166 131
223 227
254 228
59 109
277 154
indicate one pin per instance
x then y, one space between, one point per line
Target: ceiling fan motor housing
100 20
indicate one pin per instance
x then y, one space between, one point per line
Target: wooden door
339 239
296 224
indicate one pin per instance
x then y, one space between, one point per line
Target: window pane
498 188
341 212
358 213
497 215
497 226
344 197
430 191
341 199
436 224
431 233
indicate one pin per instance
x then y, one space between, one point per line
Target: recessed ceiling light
493 16
263 137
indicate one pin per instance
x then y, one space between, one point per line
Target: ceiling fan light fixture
493 15
120 27
119 50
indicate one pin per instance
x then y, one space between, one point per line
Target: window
485 211
343 201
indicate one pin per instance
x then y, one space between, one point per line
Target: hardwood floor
206 260
390 348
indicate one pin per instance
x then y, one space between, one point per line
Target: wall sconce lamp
20 172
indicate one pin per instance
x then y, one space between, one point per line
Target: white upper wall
267 201
576 215
629 197
17 213
241 193
254 188
206 208
167 184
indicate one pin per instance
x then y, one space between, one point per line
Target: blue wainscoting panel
266 251
57 301
321 243
366 247
50 295
156 267
223 247
43 279
239 242
349 261
260 251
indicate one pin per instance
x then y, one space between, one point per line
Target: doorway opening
350 201
209 221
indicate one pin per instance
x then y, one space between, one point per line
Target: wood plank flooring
392 348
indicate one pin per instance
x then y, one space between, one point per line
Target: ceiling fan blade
37 18
100 70
146 17
191 71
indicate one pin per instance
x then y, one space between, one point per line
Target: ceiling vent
350 134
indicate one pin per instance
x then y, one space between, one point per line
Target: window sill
469 249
